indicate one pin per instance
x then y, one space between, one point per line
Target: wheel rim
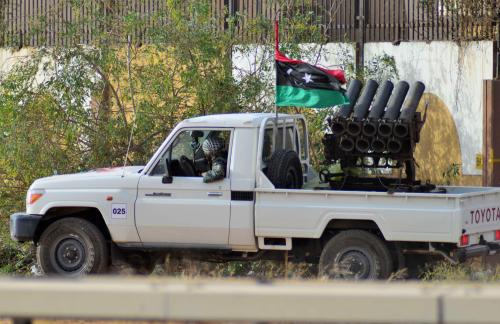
70 254
352 264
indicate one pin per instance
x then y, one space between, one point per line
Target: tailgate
480 217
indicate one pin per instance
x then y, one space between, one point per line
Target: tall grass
261 270
475 270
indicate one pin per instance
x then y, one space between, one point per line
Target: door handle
214 194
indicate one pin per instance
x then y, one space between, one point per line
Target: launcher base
378 184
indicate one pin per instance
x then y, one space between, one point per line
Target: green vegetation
262 270
14 258
476 270
451 174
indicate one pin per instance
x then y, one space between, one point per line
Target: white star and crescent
307 78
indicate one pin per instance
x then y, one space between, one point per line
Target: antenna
131 88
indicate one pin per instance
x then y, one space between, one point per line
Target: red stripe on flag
337 74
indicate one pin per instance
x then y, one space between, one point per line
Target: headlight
34 195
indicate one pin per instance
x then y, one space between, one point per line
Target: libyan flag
304 85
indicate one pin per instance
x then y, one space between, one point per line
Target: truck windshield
186 155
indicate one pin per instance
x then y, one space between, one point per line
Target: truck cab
174 207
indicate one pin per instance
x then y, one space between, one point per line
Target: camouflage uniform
213 147
199 160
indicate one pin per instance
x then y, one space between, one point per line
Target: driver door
186 212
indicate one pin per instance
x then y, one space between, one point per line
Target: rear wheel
72 247
354 255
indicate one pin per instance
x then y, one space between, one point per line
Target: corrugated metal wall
340 20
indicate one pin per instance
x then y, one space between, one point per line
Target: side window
289 145
182 146
186 155
268 148
302 134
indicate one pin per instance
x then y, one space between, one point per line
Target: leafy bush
14 258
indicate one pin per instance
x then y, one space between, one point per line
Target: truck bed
417 217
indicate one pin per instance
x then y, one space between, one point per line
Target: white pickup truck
80 222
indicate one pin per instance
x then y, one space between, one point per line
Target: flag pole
276 50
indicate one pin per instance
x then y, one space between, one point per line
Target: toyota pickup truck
265 206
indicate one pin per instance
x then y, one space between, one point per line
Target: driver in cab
213 148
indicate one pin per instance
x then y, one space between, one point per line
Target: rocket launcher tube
394 145
411 103
338 123
409 109
379 145
362 144
379 103
393 108
361 108
353 91
381 99
365 100
396 101
347 144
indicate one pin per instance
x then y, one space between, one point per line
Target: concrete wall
8 58
454 74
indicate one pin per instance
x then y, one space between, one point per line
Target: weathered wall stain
439 145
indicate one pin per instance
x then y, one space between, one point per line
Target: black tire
354 255
72 247
284 170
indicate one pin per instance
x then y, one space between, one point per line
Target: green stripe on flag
309 98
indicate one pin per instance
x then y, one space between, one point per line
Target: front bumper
23 226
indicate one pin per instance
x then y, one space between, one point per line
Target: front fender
65 204
120 230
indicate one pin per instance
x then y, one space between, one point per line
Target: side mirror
167 178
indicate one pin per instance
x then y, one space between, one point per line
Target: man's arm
218 171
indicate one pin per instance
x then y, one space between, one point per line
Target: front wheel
354 255
72 247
